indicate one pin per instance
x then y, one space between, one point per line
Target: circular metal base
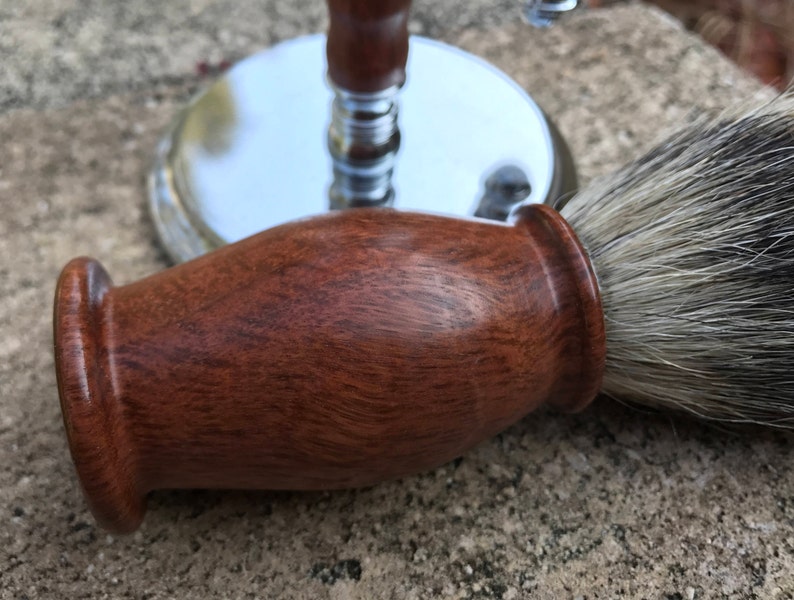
251 151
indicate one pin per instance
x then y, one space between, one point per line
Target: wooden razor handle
332 352
367 44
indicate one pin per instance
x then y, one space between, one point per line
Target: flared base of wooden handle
93 418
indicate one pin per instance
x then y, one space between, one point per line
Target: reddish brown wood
334 352
367 43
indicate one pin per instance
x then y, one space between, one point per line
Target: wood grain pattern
367 44
332 352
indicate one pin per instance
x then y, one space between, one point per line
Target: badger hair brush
693 247
369 344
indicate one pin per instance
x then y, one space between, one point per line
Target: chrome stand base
251 152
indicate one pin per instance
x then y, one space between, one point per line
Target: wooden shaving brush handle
326 353
367 44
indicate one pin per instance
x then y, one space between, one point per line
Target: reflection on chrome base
270 142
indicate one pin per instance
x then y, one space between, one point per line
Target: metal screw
505 189
543 14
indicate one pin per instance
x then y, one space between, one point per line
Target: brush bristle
693 247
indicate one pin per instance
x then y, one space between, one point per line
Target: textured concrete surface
614 502
55 51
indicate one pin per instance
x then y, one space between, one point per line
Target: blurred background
756 34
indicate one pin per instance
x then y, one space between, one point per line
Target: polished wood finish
367 43
332 352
